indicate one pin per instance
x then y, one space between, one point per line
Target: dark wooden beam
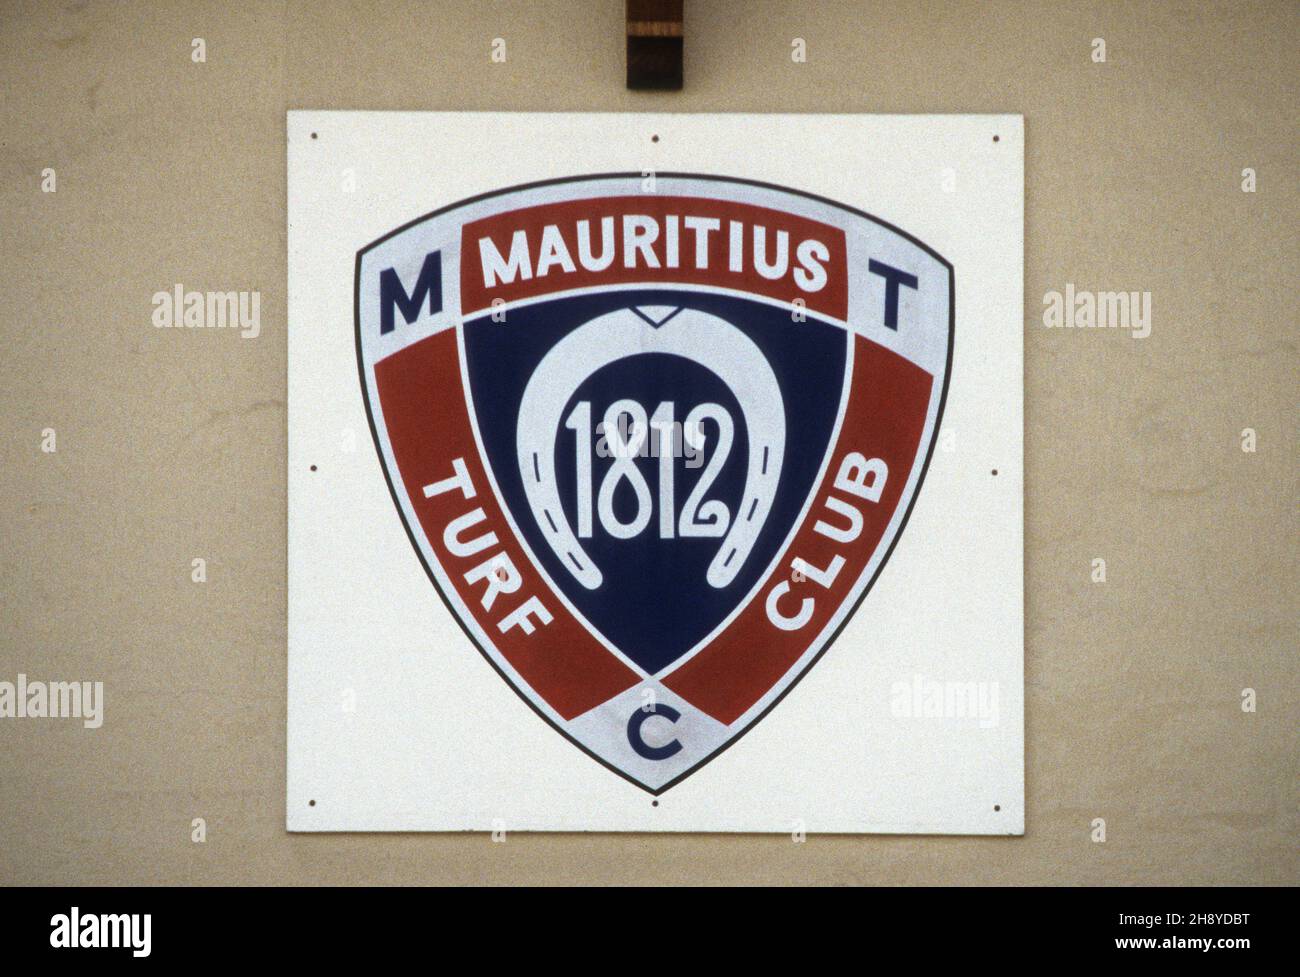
654 44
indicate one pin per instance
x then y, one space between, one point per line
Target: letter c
781 620
641 746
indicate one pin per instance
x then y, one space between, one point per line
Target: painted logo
653 448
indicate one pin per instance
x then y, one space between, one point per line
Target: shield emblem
653 439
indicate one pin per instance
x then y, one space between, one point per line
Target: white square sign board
655 472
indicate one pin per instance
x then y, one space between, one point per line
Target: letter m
393 293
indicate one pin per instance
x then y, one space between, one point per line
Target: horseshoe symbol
714 344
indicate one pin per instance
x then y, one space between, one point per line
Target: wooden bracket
654 44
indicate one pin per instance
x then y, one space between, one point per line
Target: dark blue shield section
654 603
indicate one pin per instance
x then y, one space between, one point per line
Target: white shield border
820 644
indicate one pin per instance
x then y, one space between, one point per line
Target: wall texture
170 443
